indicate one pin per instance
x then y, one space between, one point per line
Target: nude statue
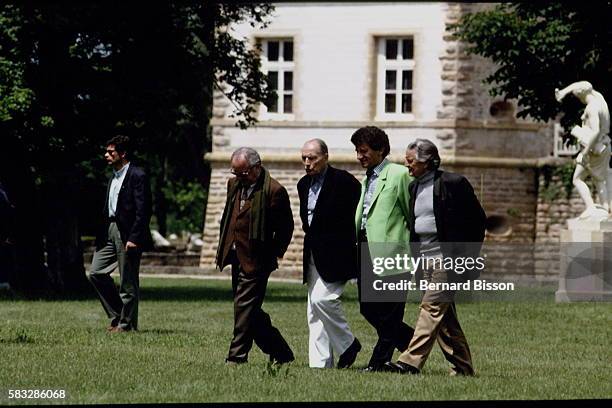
594 156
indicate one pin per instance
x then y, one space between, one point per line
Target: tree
73 75
540 46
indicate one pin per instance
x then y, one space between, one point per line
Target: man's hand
130 245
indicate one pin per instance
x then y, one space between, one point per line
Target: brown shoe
118 329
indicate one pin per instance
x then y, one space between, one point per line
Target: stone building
341 66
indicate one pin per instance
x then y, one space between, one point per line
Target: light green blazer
387 225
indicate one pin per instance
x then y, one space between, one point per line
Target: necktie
243 196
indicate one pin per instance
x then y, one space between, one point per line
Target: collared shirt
115 187
245 193
313 192
424 217
370 188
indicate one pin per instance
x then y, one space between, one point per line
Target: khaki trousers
437 321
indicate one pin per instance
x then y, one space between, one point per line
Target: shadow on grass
160 293
196 292
214 294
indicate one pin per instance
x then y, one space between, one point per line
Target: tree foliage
540 46
74 74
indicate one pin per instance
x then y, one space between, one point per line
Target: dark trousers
120 305
251 323
385 317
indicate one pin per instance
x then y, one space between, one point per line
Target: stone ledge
475 161
436 124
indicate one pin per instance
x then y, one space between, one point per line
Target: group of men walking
342 219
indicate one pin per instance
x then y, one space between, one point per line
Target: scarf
261 196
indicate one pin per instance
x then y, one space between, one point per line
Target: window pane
288 81
406 79
391 50
273 80
390 103
288 103
407 49
390 80
406 103
272 103
272 50
288 50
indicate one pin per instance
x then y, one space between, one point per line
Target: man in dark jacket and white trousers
447 221
256 229
328 199
123 236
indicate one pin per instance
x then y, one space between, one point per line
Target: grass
522 350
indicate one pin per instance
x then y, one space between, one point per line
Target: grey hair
250 154
426 152
321 143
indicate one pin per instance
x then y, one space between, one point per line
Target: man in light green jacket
382 220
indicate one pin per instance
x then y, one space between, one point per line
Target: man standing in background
123 237
328 199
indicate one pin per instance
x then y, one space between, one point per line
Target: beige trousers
437 321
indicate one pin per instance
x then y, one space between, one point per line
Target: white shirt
115 187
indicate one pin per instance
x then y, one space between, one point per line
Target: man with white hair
256 229
446 221
328 199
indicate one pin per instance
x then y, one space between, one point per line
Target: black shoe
371 369
400 368
234 361
284 359
350 354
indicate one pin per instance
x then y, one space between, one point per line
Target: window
278 63
395 78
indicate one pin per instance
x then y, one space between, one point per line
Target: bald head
314 156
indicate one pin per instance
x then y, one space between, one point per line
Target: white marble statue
594 156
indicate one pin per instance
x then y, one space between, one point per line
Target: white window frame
400 64
281 66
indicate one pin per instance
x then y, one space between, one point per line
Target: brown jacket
278 230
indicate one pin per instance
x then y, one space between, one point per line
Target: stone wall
554 208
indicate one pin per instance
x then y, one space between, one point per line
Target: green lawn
521 350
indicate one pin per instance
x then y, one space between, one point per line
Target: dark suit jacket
459 216
133 210
331 235
278 229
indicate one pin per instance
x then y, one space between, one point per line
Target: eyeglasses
110 151
242 173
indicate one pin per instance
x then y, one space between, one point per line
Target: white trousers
329 332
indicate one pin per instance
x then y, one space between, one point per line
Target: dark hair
122 144
374 137
426 152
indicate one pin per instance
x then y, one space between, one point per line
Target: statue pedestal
586 261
